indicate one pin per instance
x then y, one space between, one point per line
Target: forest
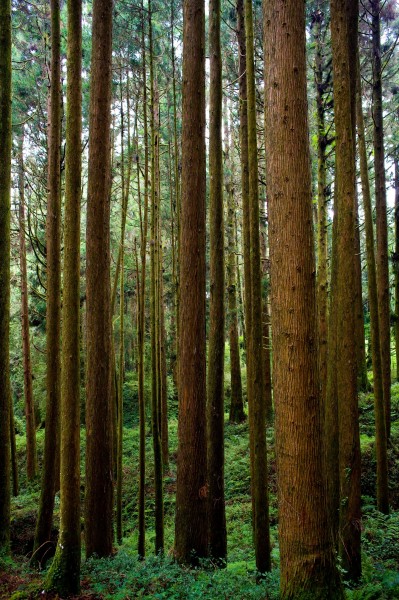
199 299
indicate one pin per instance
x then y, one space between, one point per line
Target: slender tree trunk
99 442
322 231
396 264
256 398
381 215
237 414
343 39
154 302
14 461
215 384
266 338
163 373
64 574
380 432
362 380
50 477
5 187
191 525
31 458
307 556
141 293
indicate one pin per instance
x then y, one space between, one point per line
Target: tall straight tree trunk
99 442
396 264
5 187
237 414
362 380
14 460
154 301
380 431
306 548
344 40
256 396
64 574
322 231
381 214
215 408
191 525
266 338
50 477
31 459
141 294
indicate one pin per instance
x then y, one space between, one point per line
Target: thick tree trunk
307 556
191 528
99 442
50 477
64 574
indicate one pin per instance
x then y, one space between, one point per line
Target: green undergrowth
124 577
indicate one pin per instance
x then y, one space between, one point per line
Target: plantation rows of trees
199 238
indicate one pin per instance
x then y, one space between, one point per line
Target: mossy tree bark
5 187
215 383
50 477
99 442
31 458
381 214
379 413
256 393
344 43
191 525
306 549
64 573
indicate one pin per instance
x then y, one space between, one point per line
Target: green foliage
124 576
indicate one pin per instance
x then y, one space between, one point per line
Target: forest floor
124 577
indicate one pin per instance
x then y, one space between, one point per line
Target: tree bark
307 555
64 573
191 526
99 442
31 458
381 215
50 477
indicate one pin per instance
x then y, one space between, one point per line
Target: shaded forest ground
124 577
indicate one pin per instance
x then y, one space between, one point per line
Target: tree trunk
31 458
380 432
256 397
5 187
50 477
307 556
64 574
344 40
99 442
396 264
191 526
215 384
381 215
